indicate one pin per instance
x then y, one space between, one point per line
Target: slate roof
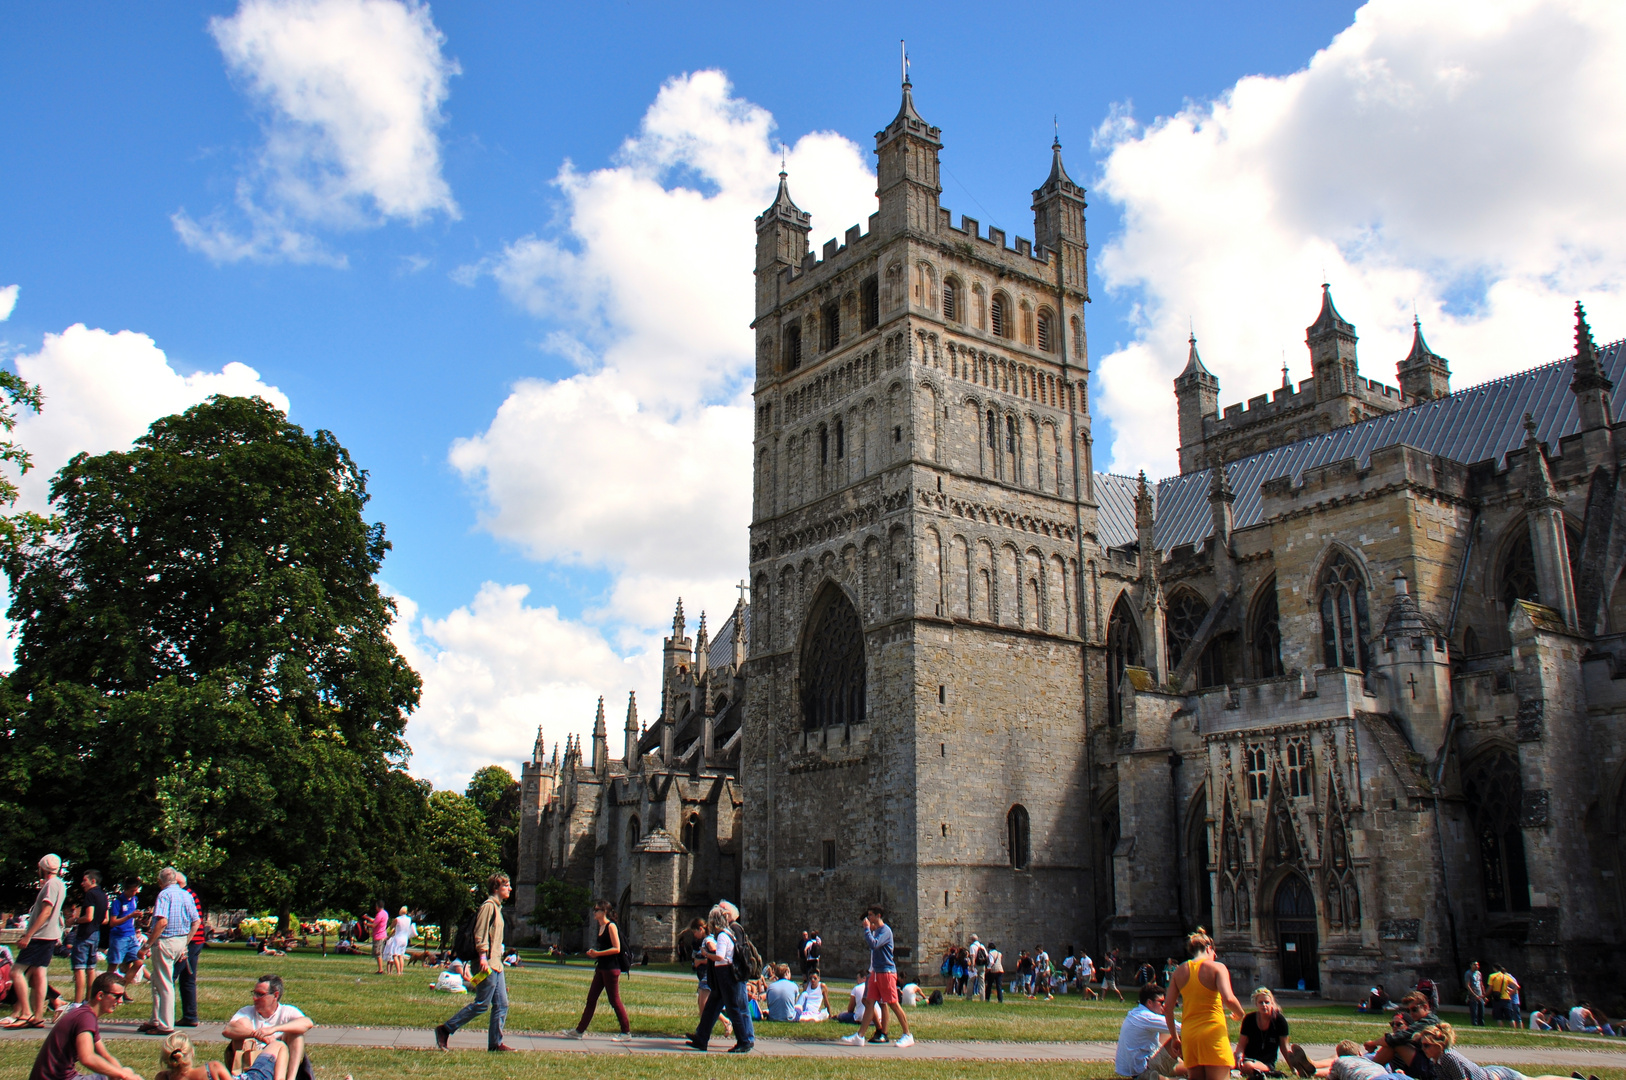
1477 424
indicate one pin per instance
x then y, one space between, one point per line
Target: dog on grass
420 956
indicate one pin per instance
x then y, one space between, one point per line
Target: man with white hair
174 920
36 946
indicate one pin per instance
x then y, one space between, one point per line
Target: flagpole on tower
903 59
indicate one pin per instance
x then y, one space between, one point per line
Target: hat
50 864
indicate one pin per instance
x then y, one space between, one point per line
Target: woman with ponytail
177 1061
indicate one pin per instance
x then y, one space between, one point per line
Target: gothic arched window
1123 650
1017 837
1344 623
1495 795
1267 635
993 431
793 346
951 300
824 446
1185 616
1519 581
1047 336
833 664
691 833
1000 316
1010 434
633 833
841 440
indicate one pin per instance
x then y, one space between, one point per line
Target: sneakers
854 1039
443 1036
621 1036
741 1048
570 1033
905 1040
879 1039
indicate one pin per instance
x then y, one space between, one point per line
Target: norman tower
923 499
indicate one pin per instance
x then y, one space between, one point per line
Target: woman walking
702 971
1203 984
395 949
718 950
606 974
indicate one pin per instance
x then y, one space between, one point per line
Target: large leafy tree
204 667
495 793
457 855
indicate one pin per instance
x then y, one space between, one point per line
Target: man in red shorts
881 992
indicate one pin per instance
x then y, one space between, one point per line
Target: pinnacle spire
598 722
1538 485
1329 321
677 622
1594 390
1194 363
1219 486
632 710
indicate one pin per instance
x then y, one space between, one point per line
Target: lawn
549 997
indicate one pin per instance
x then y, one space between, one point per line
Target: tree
26 527
494 791
209 593
561 908
458 855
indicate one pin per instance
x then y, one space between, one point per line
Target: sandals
16 1022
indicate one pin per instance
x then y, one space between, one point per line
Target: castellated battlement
1285 400
1348 479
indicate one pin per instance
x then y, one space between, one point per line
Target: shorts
122 950
378 946
1109 982
264 1068
84 955
882 988
37 955
1503 1009
700 975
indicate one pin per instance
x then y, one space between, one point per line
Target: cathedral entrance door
1296 935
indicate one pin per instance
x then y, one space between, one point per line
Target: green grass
343 990
334 1063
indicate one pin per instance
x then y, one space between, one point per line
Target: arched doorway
1294 916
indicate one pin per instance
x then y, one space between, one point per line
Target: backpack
747 962
463 946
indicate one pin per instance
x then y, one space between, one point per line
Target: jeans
166 955
84 954
492 993
605 979
186 980
729 995
995 985
1476 1011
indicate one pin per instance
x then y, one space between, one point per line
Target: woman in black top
606 974
1264 1038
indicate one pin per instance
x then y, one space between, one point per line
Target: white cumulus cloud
101 392
1459 156
8 301
351 92
499 668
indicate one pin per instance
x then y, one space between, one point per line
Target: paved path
1590 1053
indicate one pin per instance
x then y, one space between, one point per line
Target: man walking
87 932
881 992
186 978
491 992
37 945
174 921
123 944
979 969
1474 981
996 975
380 923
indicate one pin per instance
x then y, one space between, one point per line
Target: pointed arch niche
833 663
1123 651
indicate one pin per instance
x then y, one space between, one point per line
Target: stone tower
922 505
1424 375
1196 394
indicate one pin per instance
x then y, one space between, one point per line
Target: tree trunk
283 917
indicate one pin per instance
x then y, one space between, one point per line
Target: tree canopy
495 793
204 669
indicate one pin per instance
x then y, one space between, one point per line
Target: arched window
999 316
824 446
1047 335
1185 616
841 440
793 346
1257 769
691 833
1470 642
1495 794
1017 838
833 664
1519 581
830 325
951 300
1267 635
1298 768
1344 623
1123 650
993 431
1010 434
633 833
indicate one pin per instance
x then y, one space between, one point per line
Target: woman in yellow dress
1204 985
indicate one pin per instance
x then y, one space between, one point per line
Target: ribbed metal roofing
1470 426
720 649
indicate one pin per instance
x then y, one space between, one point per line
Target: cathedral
1344 690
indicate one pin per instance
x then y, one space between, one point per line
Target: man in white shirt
1086 975
1143 1041
268 1020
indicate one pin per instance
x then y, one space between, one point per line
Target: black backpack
747 963
463 946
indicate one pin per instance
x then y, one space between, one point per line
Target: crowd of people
1182 1031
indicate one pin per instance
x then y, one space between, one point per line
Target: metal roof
1472 425
720 649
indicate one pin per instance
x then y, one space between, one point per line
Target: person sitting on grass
1264 1037
1145 1047
1544 1019
855 1000
1395 1048
781 994
266 1021
1437 1042
179 1060
73 1049
813 1004
1349 1063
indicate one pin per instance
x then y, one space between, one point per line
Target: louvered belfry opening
833 677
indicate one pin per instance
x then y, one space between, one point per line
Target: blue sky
446 308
